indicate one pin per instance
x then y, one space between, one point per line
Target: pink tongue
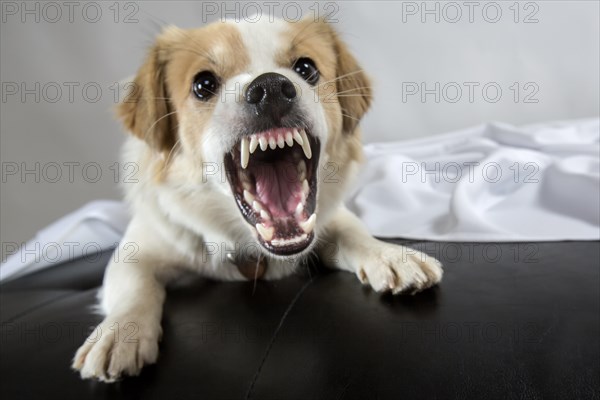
278 188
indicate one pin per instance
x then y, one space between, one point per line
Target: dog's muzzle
272 169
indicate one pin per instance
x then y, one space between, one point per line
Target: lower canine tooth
308 225
264 215
264 232
245 153
299 209
248 197
306 145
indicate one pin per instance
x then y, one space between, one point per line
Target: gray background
557 56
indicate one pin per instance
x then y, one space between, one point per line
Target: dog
246 136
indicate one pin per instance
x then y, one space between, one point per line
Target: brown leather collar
250 267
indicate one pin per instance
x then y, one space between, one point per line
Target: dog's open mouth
273 177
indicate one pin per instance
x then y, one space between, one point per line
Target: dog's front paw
118 346
388 267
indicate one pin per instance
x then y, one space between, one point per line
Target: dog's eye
205 85
306 68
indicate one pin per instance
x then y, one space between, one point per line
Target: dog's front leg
132 298
386 267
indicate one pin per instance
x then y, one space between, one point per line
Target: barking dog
246 137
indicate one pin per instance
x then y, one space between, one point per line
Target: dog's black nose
272 95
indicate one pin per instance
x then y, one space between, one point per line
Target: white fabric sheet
97 226
491 183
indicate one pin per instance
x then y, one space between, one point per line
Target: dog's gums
273 177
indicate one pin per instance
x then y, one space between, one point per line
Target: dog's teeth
264 215
272 143
308 225
263 143
289 139
280 142
297 137
299 209
248 197
305 187
253 144
301 170
264 232
286 242
306 144
245 153
257 206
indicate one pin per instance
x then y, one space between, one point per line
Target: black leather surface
80 274
509 321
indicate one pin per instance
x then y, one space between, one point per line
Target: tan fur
145 111
163 83
340 73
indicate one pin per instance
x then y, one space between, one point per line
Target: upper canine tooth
280 141
263 143
253 144
306 145
289 139
266 233
272 143
245 153
308 225
297 137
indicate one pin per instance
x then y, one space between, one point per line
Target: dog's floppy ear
147 111
352 85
